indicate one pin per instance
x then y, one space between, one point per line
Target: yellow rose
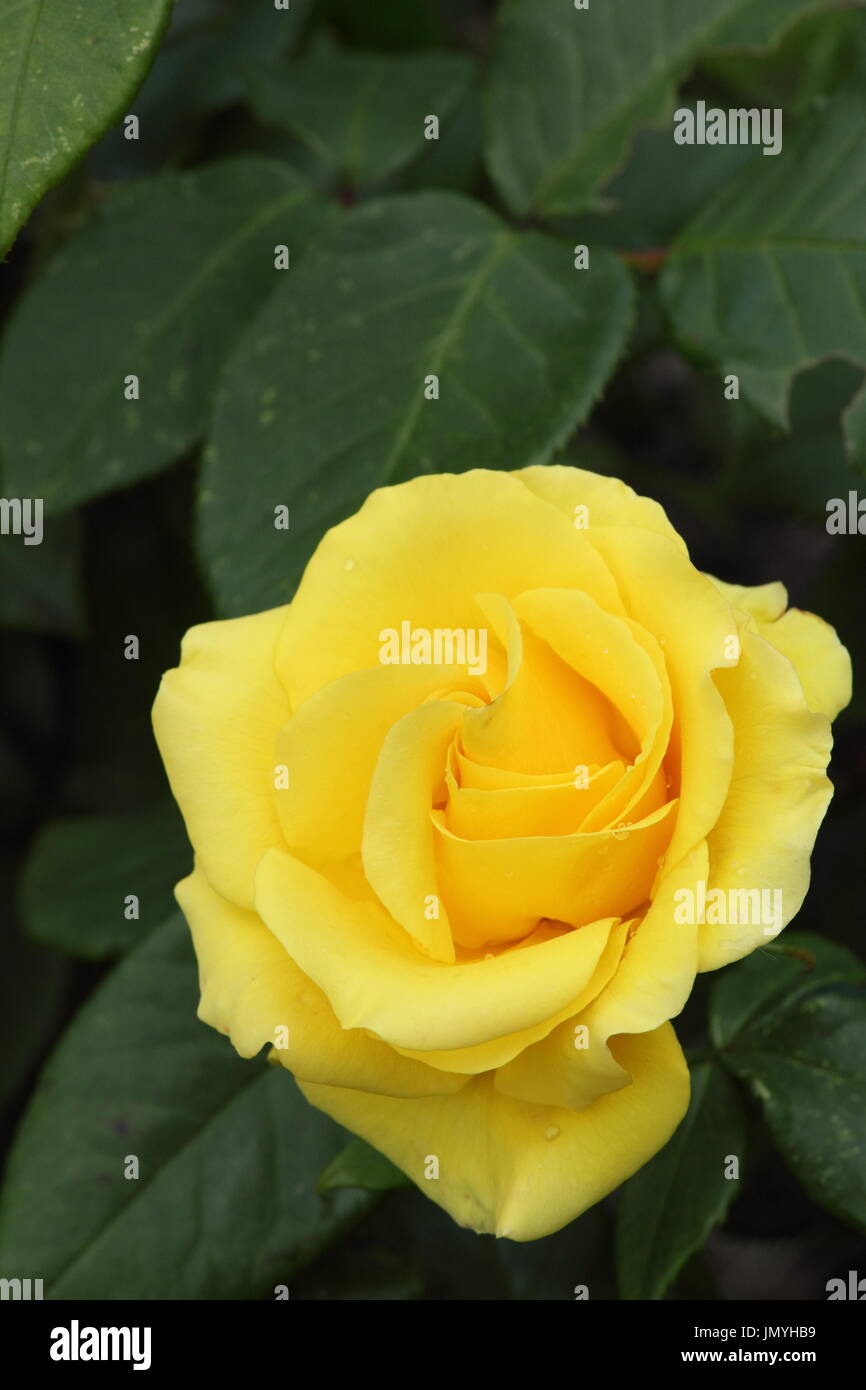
471 812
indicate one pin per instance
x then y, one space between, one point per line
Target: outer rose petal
520 1170
420 552
778 796
816 654
250 987
609 501
216 718
811 645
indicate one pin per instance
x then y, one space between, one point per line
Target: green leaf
758 26
569 88
558 1267
157 286
390 24
804 1063
140 575
82 870
40 584
817 55
770 276
137 1074
360 1165
661 187
362 114
670 1206
854 430
199 70
33 986
774 977
66 73
796 473
325 395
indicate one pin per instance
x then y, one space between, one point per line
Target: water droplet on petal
552 1132
348 564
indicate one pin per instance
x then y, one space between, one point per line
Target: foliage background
262 387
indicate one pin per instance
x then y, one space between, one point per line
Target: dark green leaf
66 72
815 56
757 26
854 428
158 286
774 977
32 989
199 70
770 276
325 396
390 24
40 584
570 87
804 1063
660 188
670 1206
560 1267
362 114
82 870
796 473
225 1204
360 1165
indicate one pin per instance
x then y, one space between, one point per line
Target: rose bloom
460 890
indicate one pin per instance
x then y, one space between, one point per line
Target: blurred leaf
137 1074
770 276
325 396
40 584
661 186
817 55
140 580
774 977
455 159
557 1268
66 72
385 24
854 427
362 114
32 991
569 88
670 1206
199 70
81 870
756 26
804 1062
360 1165
158 286
796 473
364 1274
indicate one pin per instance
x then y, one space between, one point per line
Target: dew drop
348 564
552 1132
